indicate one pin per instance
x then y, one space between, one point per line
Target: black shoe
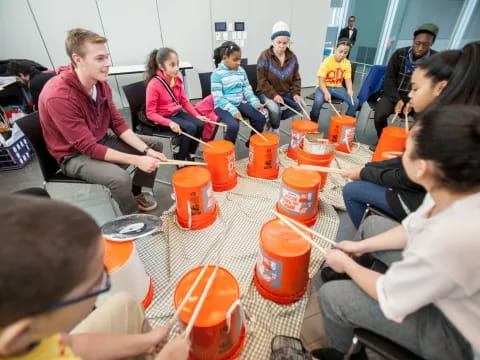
372 147
332 354
328 274
247 143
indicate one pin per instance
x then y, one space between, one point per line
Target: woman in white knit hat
278 77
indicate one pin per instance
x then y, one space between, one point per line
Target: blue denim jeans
275 109
257 120
192 126
357 194
337 93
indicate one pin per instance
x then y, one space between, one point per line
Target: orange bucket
196 206
281 272
263 157
127 271
386 155
392 139
305 158
299 195
220 158
342 131
299 129
219 330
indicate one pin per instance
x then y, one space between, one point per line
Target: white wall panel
19 37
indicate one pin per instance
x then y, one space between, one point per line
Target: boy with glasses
51 272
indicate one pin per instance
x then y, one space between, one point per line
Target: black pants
384 108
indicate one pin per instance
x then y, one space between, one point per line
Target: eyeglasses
424 44
105 282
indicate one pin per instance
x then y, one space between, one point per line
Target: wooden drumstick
292 109
287 222
194 138
199 305
304 111
300 225
394 118
181 162
213 122
253 129
335 109
321 169
187 296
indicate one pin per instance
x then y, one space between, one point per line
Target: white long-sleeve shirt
440 266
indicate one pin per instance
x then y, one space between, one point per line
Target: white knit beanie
280 28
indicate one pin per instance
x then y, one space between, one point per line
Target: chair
251 71
382 346
30 125
205 83
136 94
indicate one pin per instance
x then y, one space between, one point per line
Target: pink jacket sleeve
152 104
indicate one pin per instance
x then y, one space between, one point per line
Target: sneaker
146 201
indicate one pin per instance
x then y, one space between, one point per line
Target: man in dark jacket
400 67
349 32
31 77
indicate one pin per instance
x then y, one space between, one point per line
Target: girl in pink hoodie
166 103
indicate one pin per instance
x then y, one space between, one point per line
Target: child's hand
158 337
328 97
278 99
297 99
174 127
176 349
203 118
238 116
260 106
337 260
350 92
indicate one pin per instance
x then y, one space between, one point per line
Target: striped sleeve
219 100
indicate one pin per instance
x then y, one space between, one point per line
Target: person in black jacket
31 78
349 32
400 67
445 78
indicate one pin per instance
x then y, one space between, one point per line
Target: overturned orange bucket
299 129
342 131
127 271
263 156
305 158
219 330
387 155
220 158
196 206
392 139
281 272
299 195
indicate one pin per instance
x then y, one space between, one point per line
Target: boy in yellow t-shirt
332 72
51 272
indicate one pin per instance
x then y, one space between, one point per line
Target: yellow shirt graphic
334 72
51 348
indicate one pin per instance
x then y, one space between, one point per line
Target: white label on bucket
348 133
207 197
296 202
231 164
269 270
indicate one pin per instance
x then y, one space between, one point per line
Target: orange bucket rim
218 147
395 131
191 176
216 305
305 220
117 254
277 298
201 221
278 235
301 178
273 140
304 124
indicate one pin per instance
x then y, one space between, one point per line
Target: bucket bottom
234 352
279 299
307 221
198 224
224 186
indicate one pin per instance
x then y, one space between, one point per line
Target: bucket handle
242 311
189 215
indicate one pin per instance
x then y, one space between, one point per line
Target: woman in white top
429 300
